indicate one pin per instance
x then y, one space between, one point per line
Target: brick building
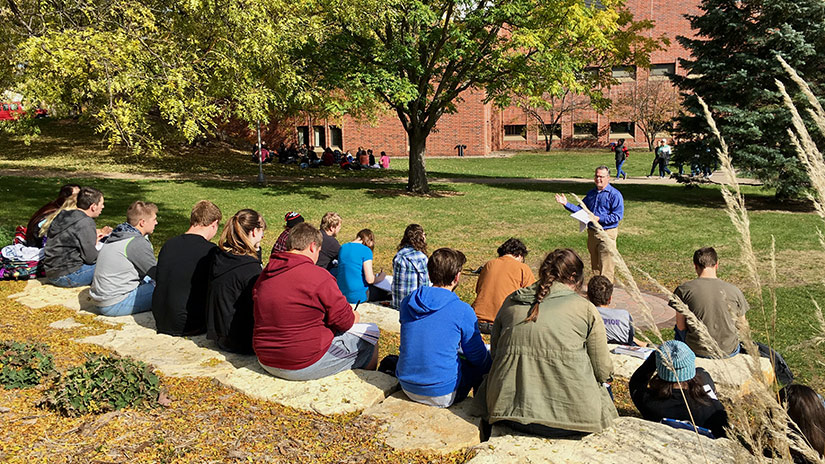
485 128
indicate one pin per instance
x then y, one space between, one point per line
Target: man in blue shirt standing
607 204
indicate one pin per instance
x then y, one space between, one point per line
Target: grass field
663 223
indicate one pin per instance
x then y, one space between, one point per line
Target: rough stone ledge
197 357
732 376
385 318
414 426
629 440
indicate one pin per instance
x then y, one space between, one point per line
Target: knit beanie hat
293 219
682 358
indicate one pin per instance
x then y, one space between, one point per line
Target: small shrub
23 365
104 383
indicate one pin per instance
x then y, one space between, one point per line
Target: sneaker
624 176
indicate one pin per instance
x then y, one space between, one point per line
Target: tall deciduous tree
418 57
140 68
733 68
652 105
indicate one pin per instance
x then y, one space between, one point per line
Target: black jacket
229 308
70 243
710 415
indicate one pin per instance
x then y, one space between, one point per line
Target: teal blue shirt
351 271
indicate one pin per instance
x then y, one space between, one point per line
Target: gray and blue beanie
681 357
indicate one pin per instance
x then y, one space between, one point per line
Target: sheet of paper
582 217
385 284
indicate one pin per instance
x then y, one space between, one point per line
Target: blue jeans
78 278
663 169
619 171
137 301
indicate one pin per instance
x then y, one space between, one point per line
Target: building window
660 72
515 132
550 129
623 73
319 136
303 135
622 130
335 137
585 130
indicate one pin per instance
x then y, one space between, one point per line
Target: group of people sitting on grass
306 156
547 368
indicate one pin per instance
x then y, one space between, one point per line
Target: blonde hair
140 210
235 235
69 204
330 221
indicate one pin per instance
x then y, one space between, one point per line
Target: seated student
355 273
33 238
499 278
712 301
384 160
292 219
235 269
179 300
658 384
550 356
617 322
302 321
123 280
364 159
435 324
409 266
330 226
70 250
807 410
328 158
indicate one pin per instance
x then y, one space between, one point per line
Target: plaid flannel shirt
409 271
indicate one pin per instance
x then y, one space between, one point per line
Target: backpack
783 373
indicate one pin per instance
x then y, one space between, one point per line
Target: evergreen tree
733 67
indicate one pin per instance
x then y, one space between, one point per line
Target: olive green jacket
550 372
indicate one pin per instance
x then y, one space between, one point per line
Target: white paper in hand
582 217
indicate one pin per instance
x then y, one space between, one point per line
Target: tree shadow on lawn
691 197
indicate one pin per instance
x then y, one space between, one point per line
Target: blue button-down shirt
607 204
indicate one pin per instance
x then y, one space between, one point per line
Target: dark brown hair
443 266
235 235
693 388
560 265
705 257
512 246
88 196
204 213
806 409
367 238
599 290
302 235
414 237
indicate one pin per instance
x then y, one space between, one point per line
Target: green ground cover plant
102 384
24 365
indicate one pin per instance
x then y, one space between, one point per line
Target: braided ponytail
562 265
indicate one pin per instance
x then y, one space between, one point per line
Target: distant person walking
621 156
664 157
460 148
607 204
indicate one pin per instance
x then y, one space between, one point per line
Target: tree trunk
418 173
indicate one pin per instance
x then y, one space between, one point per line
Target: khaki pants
600 259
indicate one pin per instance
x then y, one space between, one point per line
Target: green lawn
663 223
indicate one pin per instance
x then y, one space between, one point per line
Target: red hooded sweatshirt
298 309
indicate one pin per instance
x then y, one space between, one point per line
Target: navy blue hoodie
435 323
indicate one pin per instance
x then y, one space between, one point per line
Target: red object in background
11 110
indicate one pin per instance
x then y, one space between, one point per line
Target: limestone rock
68 323
385 318
629 440
198 357
732 376
38 294
413 426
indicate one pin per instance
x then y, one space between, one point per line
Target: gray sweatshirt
125 259
70 243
